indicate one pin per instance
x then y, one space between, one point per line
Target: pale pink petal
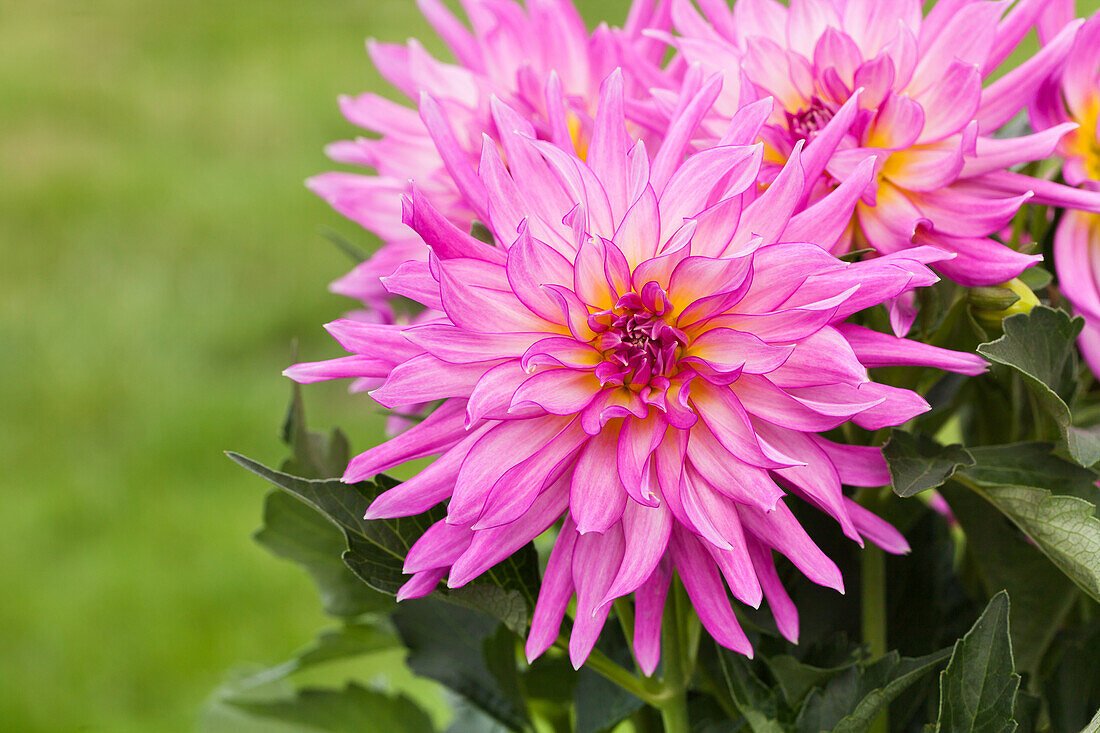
596 560
438 432
707 593
780 604
597 497
554 594
876 349
649 606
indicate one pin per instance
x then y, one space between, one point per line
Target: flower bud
991 305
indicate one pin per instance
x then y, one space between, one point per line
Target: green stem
676 653
625 611
873 604
603 665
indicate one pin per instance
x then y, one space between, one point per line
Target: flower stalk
678 655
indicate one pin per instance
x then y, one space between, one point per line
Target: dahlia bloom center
1084 140
636 341
808 121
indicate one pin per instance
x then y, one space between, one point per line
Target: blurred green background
160 254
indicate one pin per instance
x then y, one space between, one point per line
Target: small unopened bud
991 305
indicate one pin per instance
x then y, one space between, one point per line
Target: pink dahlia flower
1077 261
941 177
648 357
1071 100
518 53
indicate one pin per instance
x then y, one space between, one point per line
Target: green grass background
160 254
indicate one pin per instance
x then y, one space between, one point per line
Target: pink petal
876 349
637 441
767 216
1004 98
596 494
554 594
637 235
596 560
421 584
533 264
445 239
425 378
782 608
427 488
728 350
781 531
857 465
373 339
728 421
490 546
516 491
506 445
454 155
901 406
646 531
438 432
559 391
1076 249
878 530
726 168
649 606
439 546
458 346
817 481
607 151
826 220
739 481
341 368
707 593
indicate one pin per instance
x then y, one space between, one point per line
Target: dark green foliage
918 463
466 651
600 704
351 710
296 531
978 688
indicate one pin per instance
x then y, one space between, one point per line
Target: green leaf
507 591
1073 687
978 688
918 463
1031 464
481 232
313 454
1041 596
448 644
1094 724
1040 347
852 700
797 679
470 719
1036 277
376 548
351 710
756 703
1065 528
295 531
353 640
499 652
601 704
353 251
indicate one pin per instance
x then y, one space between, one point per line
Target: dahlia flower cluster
680 226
